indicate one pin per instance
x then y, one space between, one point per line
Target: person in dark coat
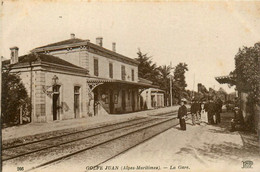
182 113
211 111
219 105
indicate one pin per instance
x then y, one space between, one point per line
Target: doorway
111 102
123 100
95 102
56 102
153 101
133 100
77 101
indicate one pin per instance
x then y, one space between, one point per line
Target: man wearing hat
194 111
211 111
182 112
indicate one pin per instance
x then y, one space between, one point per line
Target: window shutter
123 72
110 70
96 67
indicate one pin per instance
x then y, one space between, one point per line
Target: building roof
36 58
65 42
75 42
142 80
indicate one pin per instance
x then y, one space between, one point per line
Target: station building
152 98
75 78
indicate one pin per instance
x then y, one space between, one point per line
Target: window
133 75
111 70
96 67
123 72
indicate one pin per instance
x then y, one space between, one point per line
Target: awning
226 79
156 90
115 81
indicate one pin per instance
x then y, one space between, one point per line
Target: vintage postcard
130 86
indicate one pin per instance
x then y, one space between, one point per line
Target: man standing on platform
219 105
182 113
211 111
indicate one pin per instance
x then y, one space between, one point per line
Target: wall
103 66
77 56
81 57
42 102
67 83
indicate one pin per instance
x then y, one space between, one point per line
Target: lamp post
1 87
171 80
170 90
55 80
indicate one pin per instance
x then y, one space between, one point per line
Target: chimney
114 46
14 55
72 36
99 41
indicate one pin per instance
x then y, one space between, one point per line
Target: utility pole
170 85
170 90
1 88
1 103
193 86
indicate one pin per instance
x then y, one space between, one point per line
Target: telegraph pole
170 85
1 88
193 86
1 105
170 90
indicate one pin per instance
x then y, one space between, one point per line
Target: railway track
7 146
58 148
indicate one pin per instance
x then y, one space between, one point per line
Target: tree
146 68
247 79
14 96
179 83
179 75
164 76
247 72
164 79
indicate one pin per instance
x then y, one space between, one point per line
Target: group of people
201 112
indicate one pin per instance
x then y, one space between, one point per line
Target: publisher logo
247 164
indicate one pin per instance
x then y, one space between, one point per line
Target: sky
204 35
